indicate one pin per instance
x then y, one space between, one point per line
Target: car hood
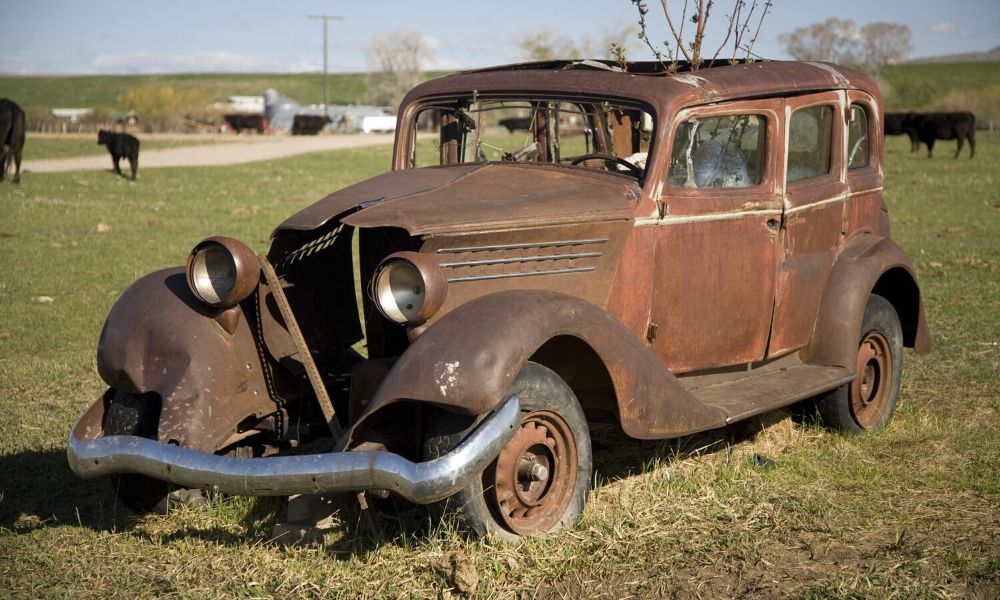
473 197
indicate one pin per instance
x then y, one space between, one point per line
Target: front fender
868 264
159 338
468 359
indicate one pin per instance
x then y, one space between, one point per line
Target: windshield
592 134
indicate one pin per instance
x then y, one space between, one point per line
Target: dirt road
241 150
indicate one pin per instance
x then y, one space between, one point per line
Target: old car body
678 250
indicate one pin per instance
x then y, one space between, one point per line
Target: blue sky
142 36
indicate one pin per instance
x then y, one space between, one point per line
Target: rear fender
469 359
868 264
159 338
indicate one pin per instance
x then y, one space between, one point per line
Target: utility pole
326 19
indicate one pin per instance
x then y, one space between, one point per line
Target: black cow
309 124
900 123
959 126
516 123
121 145
11 138
238 122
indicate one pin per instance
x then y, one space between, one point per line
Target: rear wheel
539 482
868 402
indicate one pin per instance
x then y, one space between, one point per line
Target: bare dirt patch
242 149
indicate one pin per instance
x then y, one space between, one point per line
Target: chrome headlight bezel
409 288
222 272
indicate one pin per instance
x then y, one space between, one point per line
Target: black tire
868 403
553 434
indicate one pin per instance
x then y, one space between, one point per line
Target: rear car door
814 198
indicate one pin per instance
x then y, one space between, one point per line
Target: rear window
809 136
857 138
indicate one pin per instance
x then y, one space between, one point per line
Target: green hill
956 86
102 91
944 85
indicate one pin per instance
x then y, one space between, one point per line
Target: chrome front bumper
91 456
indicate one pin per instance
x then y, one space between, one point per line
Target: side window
857 138
809 135
726 151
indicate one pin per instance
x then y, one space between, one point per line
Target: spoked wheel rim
535 474
871 389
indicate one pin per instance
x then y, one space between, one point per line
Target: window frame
680 201
868 177
405 150
830 150
820 187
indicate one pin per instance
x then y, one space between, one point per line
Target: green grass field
911 512
46 146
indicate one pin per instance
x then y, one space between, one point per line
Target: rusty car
676 250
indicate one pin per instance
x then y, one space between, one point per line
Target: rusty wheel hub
870 390
536 473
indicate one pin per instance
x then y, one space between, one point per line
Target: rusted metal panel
579 260
865 212
861 263
811 240
713 305
633 287
468 359
160 338
475 198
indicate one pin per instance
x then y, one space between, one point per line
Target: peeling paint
447 376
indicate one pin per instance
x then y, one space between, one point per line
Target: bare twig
753 40
678 35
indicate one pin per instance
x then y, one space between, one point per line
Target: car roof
649 82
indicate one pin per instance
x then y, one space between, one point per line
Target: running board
770 389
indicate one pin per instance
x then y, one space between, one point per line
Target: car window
809 136
593 134
725 151
857 138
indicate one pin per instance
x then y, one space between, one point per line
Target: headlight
409 288
222 271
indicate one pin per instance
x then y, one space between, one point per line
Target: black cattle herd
927 127
921 128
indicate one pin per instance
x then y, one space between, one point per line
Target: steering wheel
617 159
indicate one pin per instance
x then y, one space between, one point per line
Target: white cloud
943 27
191 62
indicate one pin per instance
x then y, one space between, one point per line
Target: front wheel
868 402
539 482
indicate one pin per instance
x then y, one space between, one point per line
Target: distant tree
161 106
612 42
745 19
869 48
883 44
397 60
546 44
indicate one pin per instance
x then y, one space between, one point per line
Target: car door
716 240
812 231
